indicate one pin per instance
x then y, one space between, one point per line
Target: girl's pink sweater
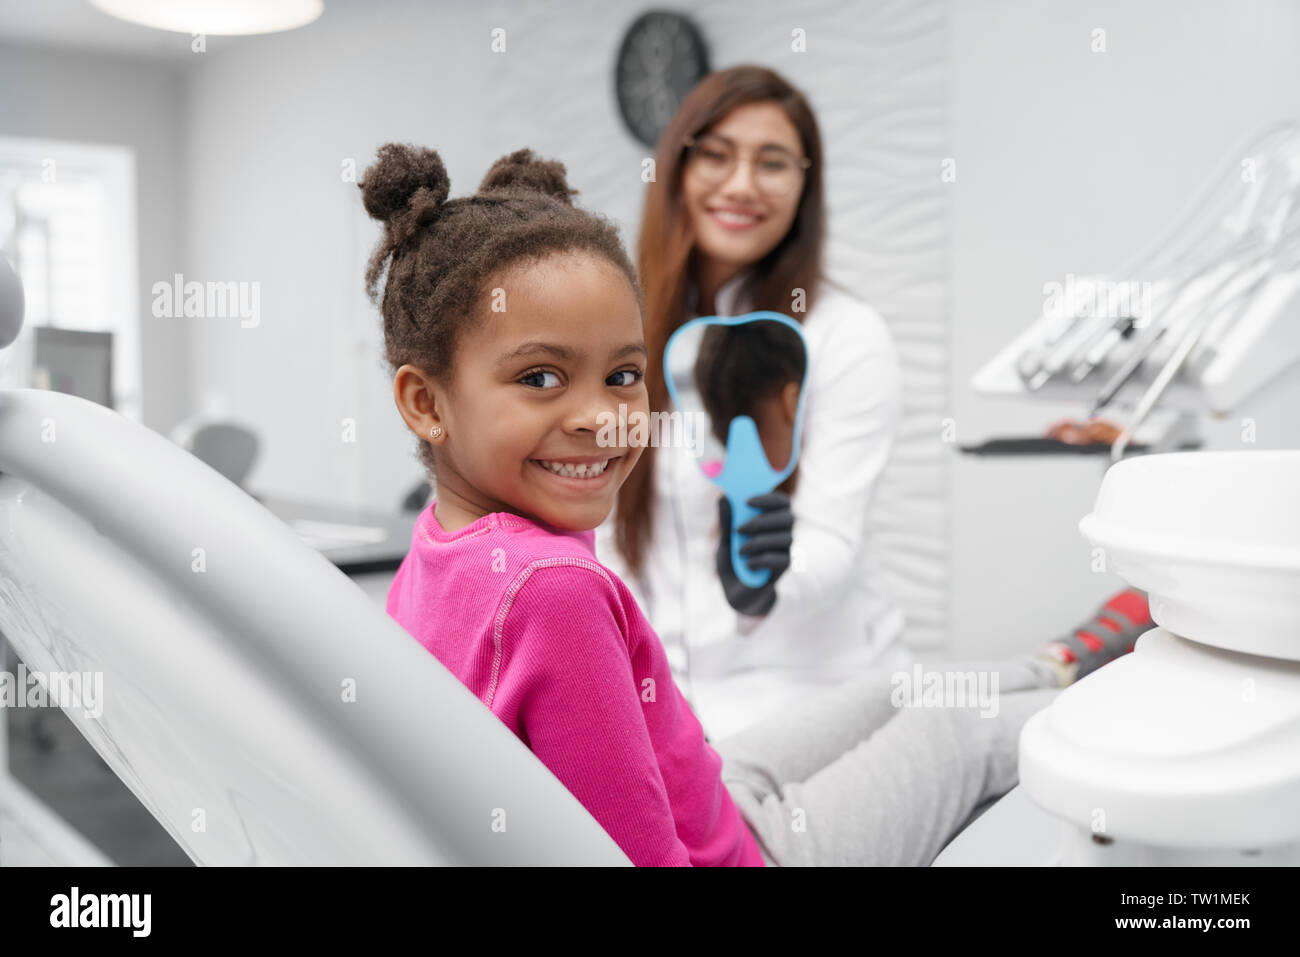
556 646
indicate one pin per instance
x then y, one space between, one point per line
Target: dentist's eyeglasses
777 171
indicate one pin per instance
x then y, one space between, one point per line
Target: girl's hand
767 547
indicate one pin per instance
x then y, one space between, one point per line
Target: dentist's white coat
831 617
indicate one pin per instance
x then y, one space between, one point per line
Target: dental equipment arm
1220 322
1191 339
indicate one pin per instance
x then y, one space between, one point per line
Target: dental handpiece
1141 352
1126 370
1167 320
1173 365
1120 329
1044 359
1030 363
1058 357
1155 329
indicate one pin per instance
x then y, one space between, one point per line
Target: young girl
513 323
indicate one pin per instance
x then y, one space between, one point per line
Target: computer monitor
76 362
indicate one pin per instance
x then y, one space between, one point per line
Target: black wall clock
661 59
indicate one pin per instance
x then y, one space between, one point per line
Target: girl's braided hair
441 254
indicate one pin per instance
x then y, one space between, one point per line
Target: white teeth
736 218
574 471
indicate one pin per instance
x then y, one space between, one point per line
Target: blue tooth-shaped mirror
739 383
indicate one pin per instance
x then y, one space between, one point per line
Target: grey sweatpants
873 772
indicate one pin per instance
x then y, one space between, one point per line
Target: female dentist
735 222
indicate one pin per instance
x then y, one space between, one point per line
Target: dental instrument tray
1040 445
1092 437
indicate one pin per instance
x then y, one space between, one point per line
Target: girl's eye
636 375
539 374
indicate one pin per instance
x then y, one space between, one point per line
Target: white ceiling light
215 17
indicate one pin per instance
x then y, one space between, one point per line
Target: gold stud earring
435 432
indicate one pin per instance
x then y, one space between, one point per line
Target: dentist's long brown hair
667 258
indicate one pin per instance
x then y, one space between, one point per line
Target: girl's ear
419 400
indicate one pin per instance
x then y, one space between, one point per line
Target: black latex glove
767 547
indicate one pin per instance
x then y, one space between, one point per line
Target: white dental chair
255 700
1186 751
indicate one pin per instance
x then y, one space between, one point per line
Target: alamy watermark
129 911
1084 298
642 429
208 300
53 689
945 689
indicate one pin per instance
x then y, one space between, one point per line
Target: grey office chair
418 498
229 448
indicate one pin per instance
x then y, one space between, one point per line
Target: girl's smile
582 478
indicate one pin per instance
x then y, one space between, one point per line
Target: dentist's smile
734 218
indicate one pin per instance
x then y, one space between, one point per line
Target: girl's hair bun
402 177
523 170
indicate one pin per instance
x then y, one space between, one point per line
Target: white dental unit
1186 751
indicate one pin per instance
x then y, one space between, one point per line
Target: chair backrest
254 699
